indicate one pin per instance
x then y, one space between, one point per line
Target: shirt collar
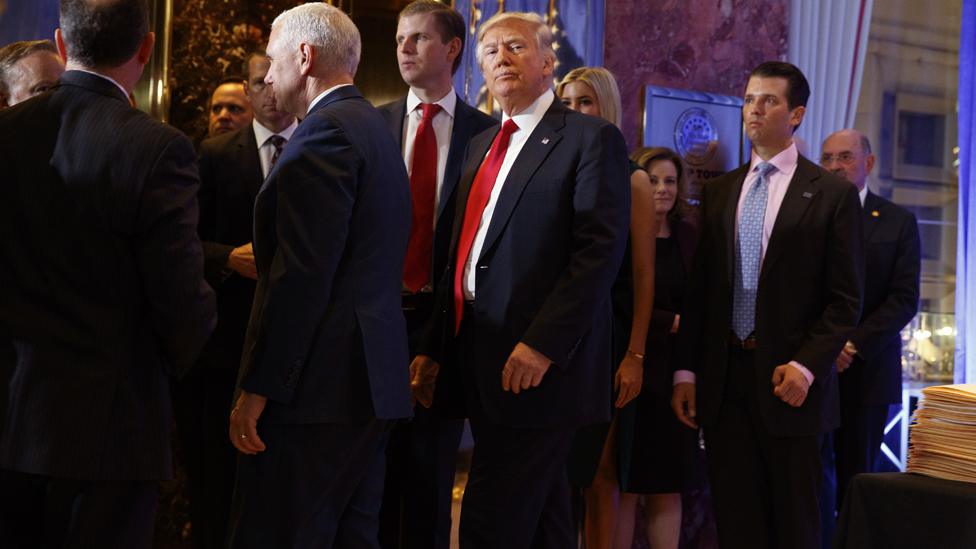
262 133
785 161
531 116
109 78
863 194
447 103
322 95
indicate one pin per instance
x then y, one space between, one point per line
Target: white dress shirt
109 78
863 194
322 95
266 148
443 125
779 181
526 121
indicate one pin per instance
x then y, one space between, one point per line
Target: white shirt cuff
803 370
684 376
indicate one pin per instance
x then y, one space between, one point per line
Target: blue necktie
749 253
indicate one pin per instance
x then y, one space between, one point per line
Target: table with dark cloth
905 510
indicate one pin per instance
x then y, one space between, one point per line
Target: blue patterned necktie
749 253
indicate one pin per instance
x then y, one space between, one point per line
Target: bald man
870 363
28 68
230 109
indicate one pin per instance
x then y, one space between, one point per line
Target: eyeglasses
845 157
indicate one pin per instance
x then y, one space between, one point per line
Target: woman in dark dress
594 462
661 452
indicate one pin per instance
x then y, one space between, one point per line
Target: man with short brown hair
27 69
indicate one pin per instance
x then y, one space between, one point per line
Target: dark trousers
201 406
857 443
315 486
764 487
43 512
420 463
517 495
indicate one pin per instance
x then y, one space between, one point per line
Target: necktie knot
508 128
430 110
277 142
764 169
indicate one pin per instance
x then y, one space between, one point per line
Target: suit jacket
468 122
102 282
326 340
230 176
890 302
550 256
808 300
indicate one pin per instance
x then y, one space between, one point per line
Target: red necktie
423 189
481 188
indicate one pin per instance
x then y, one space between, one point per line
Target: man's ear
146 48
869 163
797 116
307 58
62 49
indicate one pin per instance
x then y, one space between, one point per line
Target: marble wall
704 45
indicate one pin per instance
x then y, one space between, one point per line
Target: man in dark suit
325 357
774 293
870 363
422 453
102 290
232 168
539 234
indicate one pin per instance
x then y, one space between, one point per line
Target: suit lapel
872 215
477 149
737 178
249 161
801 193
460 133
398 111
543 140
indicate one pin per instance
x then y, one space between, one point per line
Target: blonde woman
599 460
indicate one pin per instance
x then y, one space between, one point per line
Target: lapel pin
807 195
545 140
874 213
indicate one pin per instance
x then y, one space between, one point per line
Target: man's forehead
507 31
229 93
772 85
38 60
842 142
417 22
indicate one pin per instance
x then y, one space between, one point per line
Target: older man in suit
869 366
325 358
433 126
232 167
774 293
540 229
102 290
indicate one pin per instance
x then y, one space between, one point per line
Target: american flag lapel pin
807 195
874 213
545 140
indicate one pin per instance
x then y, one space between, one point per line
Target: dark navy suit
326 342
103 296
550 255
422 453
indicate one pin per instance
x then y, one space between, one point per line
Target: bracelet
635 355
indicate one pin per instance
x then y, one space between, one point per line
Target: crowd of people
323 291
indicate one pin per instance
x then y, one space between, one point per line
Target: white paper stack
942 437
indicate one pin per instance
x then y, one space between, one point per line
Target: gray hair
543 34
331 31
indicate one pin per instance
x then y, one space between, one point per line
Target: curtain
965 370
827 41
28 20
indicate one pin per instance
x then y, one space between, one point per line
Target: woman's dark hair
645 156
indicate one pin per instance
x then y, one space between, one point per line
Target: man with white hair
542 218
324 373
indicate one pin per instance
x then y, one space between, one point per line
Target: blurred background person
28 68
229 109
600 456
232 167
663 455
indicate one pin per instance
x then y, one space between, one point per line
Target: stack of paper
942 438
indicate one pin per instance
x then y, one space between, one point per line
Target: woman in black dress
661 452
594 462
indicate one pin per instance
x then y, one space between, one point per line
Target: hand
628 380
846 357
423 375
244 423
683 403
790 385
241 261
524 368
675 324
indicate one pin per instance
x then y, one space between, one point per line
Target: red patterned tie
481 188
423 189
